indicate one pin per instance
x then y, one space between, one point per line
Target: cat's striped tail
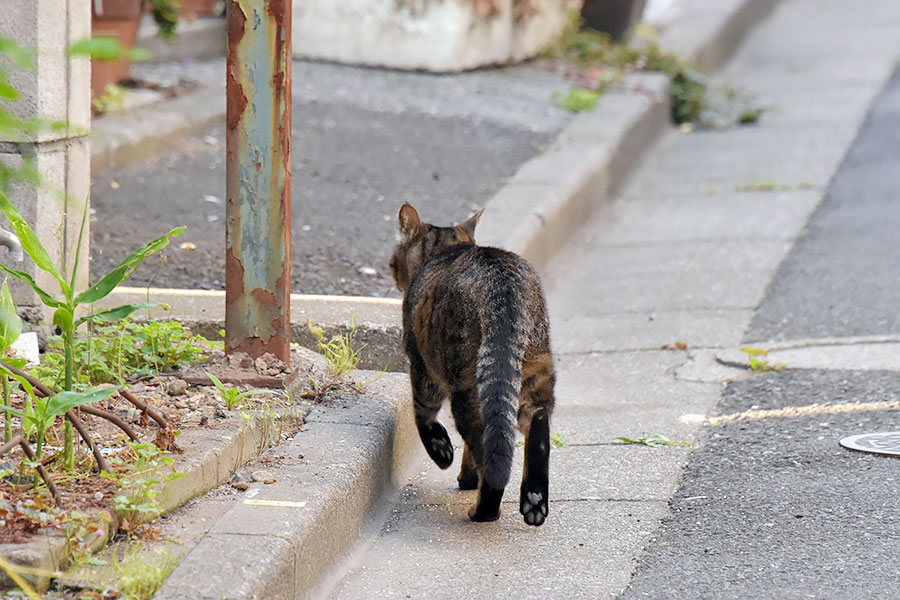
499 378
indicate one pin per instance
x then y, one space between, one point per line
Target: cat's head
419 242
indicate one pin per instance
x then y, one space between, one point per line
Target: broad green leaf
219 385
105 48
62 318
30 242
112 279
10 322
65 401
27 279
115 314
15 361
12 410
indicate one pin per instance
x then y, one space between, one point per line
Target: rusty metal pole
258 179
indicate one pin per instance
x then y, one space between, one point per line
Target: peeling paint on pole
258 180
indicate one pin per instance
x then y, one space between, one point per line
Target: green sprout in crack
653 441
757 361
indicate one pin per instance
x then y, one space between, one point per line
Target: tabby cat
475 330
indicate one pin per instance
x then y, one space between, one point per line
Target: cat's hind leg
468 473
467 416
534 494
534 421
427 399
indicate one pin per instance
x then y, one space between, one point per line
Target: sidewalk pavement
676 255
684 252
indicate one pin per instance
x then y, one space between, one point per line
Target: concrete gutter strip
335 474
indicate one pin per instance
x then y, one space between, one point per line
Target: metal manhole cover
887 442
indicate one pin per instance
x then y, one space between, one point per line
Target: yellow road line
794 411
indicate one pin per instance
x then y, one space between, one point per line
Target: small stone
263 476
98 496
221 412
177 387
365 270
181 404
269 364
241 485
240 360
204 419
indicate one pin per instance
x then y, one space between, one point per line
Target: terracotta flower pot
119 19
615 17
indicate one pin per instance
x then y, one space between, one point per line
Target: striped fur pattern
476 332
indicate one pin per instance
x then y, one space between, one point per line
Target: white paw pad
443 449
534 508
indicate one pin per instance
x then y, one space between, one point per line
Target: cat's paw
480 514
438 445
533 506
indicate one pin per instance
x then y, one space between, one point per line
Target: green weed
338 351
654 441
558 439
138 469
121 352
766 185
692 98
758 364
112 98
233 396
139 571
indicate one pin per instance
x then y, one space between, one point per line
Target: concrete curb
213 458
200 39
283 541
121 139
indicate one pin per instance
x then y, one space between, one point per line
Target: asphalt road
364 142
773 507
843 276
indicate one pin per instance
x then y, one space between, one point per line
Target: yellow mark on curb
794 411
287 503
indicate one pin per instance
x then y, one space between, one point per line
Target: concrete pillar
58 89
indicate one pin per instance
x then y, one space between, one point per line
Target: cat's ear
409 221
466 229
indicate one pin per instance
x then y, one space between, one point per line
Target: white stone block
431 35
